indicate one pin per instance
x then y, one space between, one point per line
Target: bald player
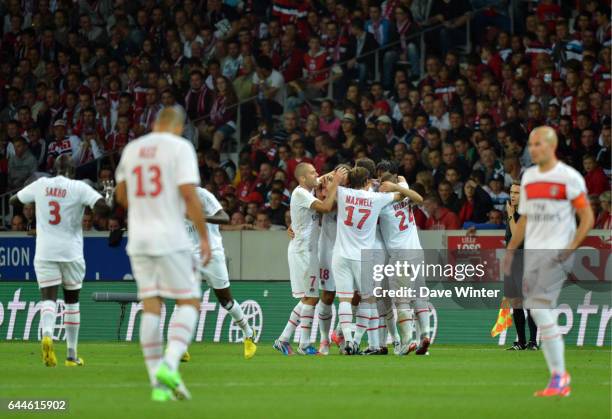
552 194
156 181
302 254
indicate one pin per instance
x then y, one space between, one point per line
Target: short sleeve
89 196
187 165
28 194
211 205
576 191
522 208
120 172
385 198
305 199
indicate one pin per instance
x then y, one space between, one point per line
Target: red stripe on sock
153 357
324 318
361 325
369 330
362 317
306 327
73 323
551 337
382 327
180 326
71 312
307 317
293 323
345 322
150 344
422 311
402 321
296 313
178 338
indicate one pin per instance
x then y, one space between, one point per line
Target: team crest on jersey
554 191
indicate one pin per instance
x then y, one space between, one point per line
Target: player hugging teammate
361 202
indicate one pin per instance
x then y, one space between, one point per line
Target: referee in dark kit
513 283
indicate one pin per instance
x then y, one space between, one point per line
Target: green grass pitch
453 382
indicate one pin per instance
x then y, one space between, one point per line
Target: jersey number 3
54 212
155 180
349 217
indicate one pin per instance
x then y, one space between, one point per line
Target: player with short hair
302 254
327 285
401 238
60 204
552 194
156 182
215 272
358 210
513 284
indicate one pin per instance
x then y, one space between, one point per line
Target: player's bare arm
518 235
401 192
101 207
586 221
327 205
196 215
14 200
221 217
121 194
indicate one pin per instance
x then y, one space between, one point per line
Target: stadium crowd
85 77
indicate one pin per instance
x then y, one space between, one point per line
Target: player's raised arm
327 204
401 192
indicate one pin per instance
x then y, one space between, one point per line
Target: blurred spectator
262 221
476 203
604 219
21 165
596 180
29 217
87 221
18 223
438 217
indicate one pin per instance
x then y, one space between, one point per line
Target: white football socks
72 322
180 334
325 316
405 321
306 319
362 321
374 328
421 310
292 323
552 339
345 315
237 314
151 343
47 317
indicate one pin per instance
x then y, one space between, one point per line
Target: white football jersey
358 212
327 235
549 200
303 220
398 226
153 167
211 206
60 203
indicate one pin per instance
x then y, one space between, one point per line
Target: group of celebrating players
335 220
